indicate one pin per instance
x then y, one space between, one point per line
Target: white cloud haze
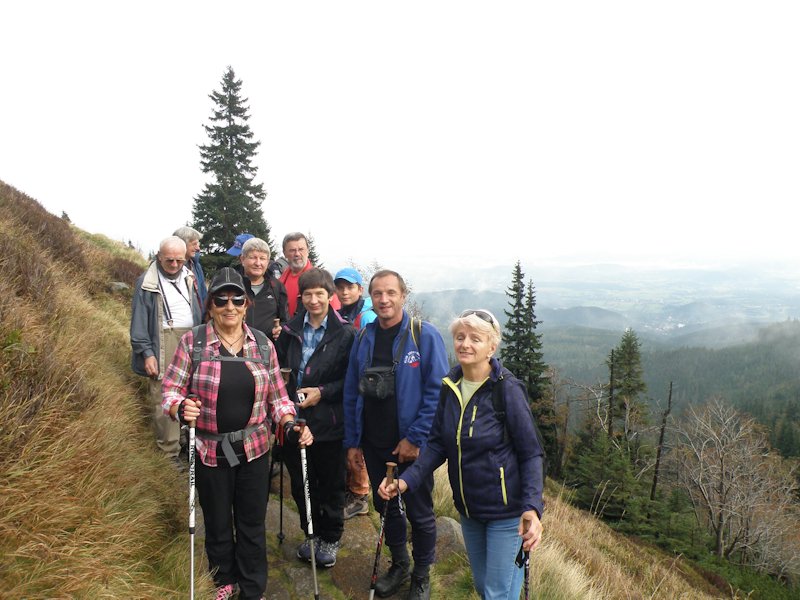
442 132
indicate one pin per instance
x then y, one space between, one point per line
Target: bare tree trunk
661 444
611 399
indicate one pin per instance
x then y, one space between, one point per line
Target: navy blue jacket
492 476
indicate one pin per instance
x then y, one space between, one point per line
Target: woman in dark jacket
495 464
315 345
268 309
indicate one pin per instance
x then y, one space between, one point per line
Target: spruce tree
515 334
313 256
522 355
230 203
630 410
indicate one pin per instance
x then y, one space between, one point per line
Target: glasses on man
220 301
482 315
178 261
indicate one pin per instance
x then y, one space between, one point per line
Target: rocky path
291 579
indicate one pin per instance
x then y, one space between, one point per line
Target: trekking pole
302 423
192 458
526 561
285 372
390 467
271 476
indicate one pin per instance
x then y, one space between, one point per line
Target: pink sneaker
224 592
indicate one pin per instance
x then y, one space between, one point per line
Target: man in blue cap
356 310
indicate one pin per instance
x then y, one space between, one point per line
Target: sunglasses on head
481 314
220 301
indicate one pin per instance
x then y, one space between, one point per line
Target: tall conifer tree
522 355
230 203
313 256
515 334
630 410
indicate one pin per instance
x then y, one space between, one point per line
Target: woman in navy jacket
495 464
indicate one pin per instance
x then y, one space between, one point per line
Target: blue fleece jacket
418 380
492 476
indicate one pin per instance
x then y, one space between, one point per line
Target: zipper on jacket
457 392
472 422
503 485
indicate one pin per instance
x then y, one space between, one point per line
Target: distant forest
761 378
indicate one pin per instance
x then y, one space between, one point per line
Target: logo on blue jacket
412 359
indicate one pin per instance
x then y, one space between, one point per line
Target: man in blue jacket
389 421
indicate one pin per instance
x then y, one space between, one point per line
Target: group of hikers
258 356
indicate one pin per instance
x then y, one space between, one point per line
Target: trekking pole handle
193 397
301 423
390 467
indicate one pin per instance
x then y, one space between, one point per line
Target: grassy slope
582 559
88 508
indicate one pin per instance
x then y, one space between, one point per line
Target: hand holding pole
390 467
301 423
192 459
526 557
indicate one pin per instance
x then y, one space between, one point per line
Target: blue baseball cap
236 249
350 275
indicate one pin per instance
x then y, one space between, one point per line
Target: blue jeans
492 548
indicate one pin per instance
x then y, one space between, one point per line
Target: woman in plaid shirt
239 393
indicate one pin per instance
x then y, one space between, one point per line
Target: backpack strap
416 330
199 346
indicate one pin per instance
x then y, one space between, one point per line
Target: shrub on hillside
54 234
122 269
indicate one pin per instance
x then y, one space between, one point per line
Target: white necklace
228 344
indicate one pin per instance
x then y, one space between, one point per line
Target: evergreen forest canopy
703 480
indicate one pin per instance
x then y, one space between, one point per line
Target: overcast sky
434 131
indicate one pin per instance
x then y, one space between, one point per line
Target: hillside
89 509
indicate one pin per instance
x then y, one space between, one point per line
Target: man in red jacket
295 249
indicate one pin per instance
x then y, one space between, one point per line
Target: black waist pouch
377 383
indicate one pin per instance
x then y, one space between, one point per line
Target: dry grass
580 558
88 509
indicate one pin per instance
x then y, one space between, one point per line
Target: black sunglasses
481 314
220 301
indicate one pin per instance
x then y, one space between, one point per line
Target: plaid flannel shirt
271 401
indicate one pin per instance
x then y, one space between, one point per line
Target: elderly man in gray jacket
165 306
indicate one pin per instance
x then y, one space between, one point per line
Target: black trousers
326 485
234 503
418 507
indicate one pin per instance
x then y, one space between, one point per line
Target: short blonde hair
480 320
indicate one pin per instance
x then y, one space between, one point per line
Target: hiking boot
225 591
355 505
420 588
326 555
390 582
304 549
